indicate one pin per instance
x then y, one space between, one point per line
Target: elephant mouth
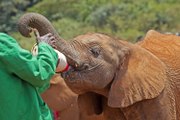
73 67
73 78
69 74
76 79
77 69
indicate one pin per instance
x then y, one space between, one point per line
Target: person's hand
47 38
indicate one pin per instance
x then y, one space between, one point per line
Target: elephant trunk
34 20
43 25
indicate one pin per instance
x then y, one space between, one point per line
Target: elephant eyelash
95 51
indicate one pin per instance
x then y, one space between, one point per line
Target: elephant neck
104 92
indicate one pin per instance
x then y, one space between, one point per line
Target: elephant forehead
93 38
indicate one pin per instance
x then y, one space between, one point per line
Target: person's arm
36 70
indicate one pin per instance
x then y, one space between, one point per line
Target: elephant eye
95 51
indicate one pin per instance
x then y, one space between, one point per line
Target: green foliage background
127 19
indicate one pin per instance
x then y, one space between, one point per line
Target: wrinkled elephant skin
141 80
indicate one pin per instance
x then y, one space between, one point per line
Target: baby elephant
129 81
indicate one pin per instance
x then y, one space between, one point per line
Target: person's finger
46 36
53 41
54 46
49 34
52 38
50 42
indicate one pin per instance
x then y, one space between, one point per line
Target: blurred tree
126 19
10 11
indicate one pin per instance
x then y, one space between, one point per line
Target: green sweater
20 74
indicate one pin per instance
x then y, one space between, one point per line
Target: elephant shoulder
165 46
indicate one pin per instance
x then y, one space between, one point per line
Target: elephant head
123 72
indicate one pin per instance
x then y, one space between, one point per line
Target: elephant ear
142 77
